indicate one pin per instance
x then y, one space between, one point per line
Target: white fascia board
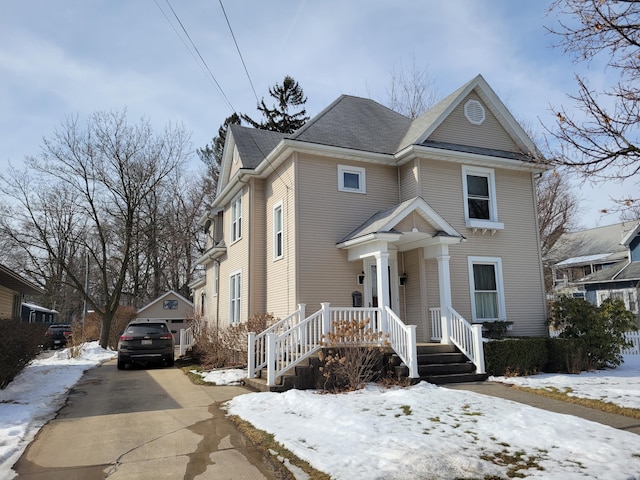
433 153
630 235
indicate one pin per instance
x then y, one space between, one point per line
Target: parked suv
146 341
57 335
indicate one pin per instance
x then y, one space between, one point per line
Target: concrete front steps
440 364
437 364
302 377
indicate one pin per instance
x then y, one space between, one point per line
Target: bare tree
411 91
602 142
108 170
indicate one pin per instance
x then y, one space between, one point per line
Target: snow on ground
431 432
224 376
36 394
419 432
620 386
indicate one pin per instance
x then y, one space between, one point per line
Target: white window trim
492 223
626 293
232 301
342 169
497 263
276 207
216 278
237 221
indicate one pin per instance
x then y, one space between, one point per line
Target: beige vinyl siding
236 162
236 259
258 253
412 295
328 216
433 288
157 310
6 303
457 129
409 186
516 245
281 273
415 220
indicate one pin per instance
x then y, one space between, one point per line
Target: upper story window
235 297
236 218
351 179
487 289
480 206
278 241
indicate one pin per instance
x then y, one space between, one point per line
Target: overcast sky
73 57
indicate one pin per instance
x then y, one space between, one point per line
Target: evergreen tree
279 118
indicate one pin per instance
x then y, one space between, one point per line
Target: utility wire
238 49
202 63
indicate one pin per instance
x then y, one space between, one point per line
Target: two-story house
428 226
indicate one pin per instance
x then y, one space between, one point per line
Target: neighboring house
428 225
32 313
13 289
172 307
604 263
598 263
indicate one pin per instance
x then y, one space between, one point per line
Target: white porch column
382 272
444 281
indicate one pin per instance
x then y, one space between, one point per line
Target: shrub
19 344
601 329
226 347
515 356
566 355
90 330
351 355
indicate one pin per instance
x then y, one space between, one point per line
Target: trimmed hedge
19 344
515 356
525 356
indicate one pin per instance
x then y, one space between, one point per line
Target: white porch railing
186 340
464 335
468 338
279 350
403 341
257 353
436 324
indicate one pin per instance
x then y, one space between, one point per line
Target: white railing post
413 353
301 317
271 359
445 320
182 341
251 355
326 318
478 347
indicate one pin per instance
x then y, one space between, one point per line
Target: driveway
142 424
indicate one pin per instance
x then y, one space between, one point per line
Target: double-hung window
351 179
235 297
480 207
487 289
236 218
278 241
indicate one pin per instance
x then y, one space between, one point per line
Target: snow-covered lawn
432 432
35 395
414 433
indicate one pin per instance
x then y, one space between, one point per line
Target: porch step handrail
468 338
403 341
257 344
291 347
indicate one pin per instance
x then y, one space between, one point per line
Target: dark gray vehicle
146 341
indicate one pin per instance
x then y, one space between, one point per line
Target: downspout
218 299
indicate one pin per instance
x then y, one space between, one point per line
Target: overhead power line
201 62
239 52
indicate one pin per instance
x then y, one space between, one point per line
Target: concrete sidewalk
507 392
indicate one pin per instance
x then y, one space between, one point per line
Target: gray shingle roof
254 144
593 241
356 123
621 271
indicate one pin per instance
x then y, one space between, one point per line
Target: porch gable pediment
413 222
